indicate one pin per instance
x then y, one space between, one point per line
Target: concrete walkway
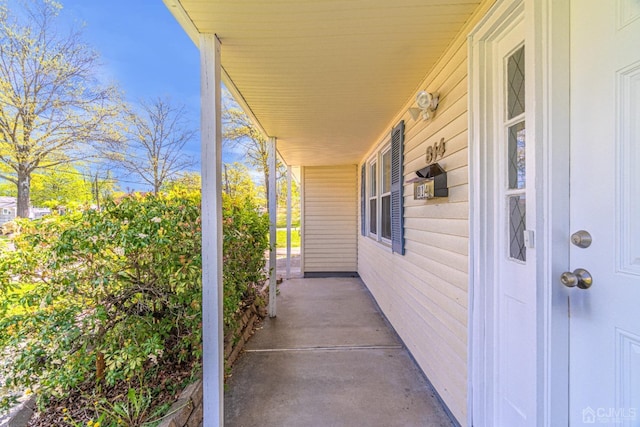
328 359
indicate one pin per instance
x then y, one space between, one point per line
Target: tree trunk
24 196
97 191
100 367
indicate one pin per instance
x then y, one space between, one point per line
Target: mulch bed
80 405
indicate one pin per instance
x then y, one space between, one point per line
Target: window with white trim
379 208
382 213
373 198
385 196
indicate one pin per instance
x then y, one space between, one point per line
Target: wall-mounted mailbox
430 182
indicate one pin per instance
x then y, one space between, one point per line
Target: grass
281 238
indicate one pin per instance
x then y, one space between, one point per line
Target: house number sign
435 151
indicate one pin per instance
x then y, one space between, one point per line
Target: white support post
211 216
302 219
288 222
273 210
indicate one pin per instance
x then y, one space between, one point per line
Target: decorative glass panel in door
515 129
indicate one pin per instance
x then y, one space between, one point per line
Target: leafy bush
9 227
108 296
245 242
106 293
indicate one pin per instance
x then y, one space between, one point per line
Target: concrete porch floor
328 359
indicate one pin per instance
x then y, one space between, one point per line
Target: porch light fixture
427 103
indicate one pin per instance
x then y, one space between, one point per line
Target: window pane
517 156
386 217
386 172
374 177
373 216
515 87
517 224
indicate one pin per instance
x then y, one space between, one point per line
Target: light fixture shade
427 103
415 113
424 99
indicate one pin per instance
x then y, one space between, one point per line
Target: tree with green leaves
282 203
187 182
239 132
62 186
52 106
67 185
237 183
103 184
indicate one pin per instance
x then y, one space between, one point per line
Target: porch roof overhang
327 78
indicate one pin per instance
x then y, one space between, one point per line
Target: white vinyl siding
330 225
424 293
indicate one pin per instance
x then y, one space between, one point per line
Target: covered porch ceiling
325 77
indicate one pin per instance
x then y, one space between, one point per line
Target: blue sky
144 51
142 47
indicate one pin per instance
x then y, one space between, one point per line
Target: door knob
580 278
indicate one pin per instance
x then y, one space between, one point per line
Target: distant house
37 213
9 210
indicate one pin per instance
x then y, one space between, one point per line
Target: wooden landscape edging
234 342
187 411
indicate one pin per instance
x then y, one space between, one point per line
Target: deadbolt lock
581 239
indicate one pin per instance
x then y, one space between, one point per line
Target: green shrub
245 242
9 227
106 293
105 296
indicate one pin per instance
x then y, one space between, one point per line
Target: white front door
604 363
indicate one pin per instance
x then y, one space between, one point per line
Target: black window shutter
397 196
363 201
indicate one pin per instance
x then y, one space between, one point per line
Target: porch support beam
288 221
273 210
211 217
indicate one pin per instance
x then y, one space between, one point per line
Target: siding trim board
327 274
363 200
